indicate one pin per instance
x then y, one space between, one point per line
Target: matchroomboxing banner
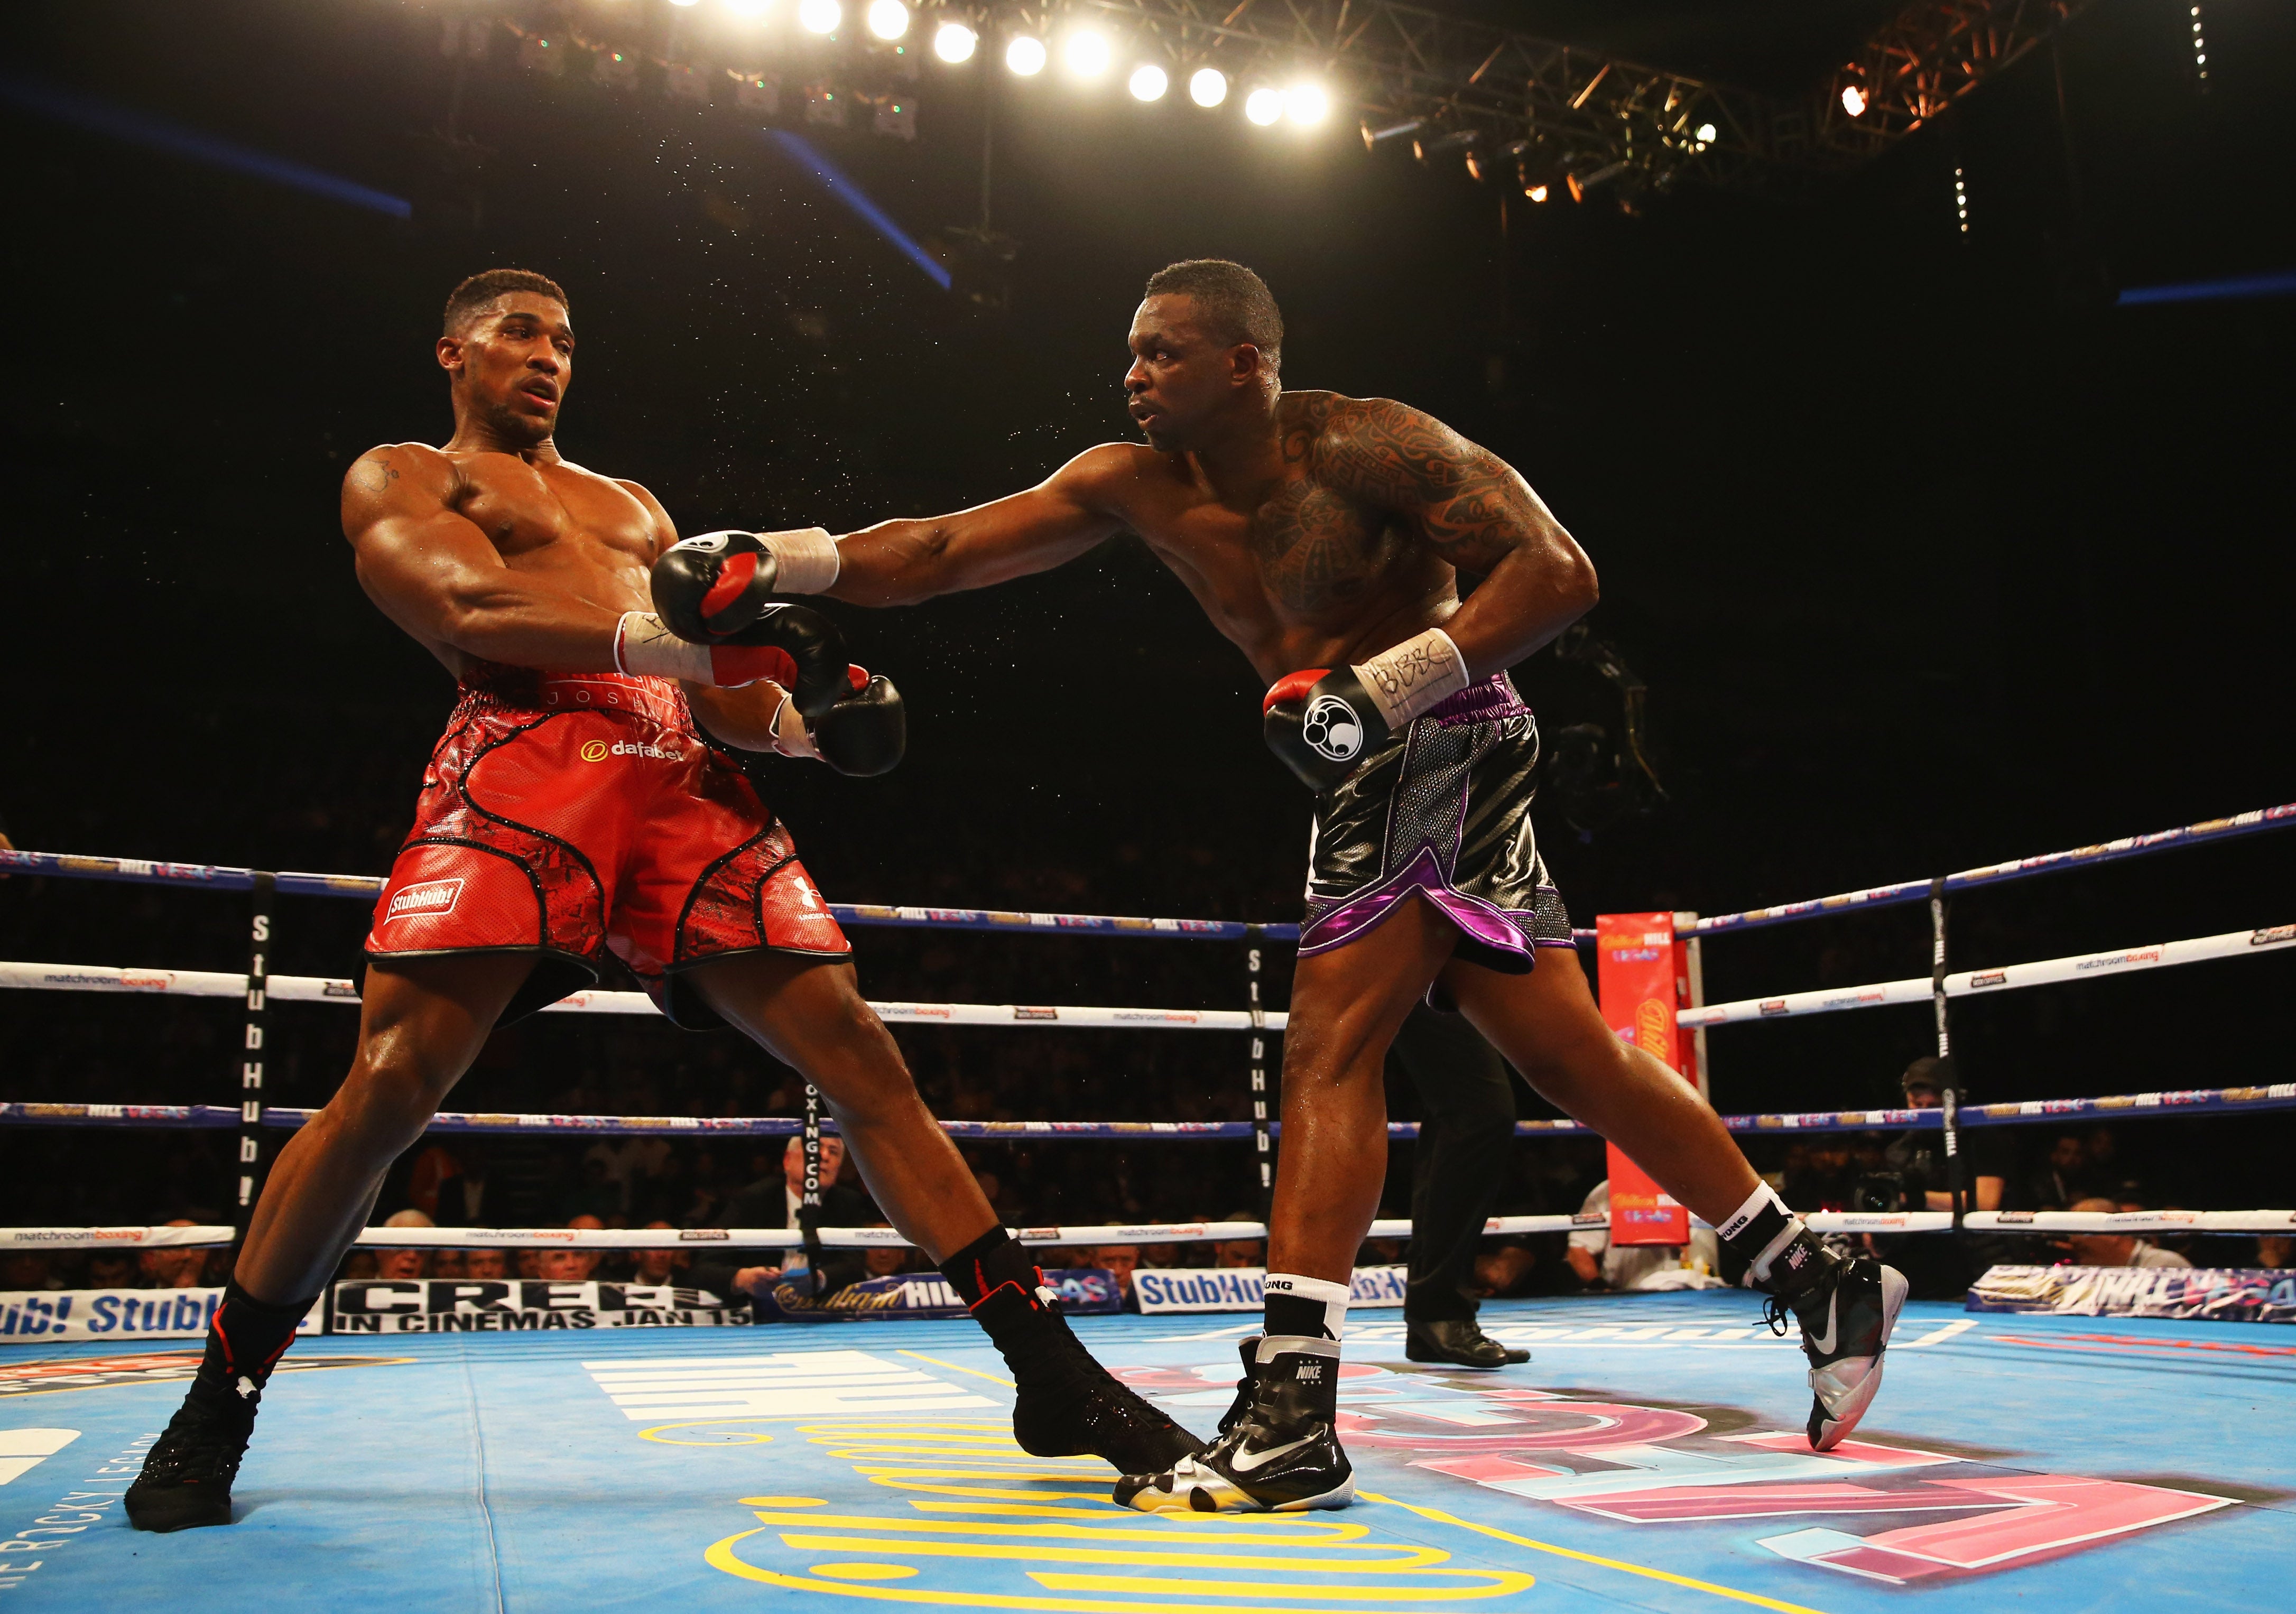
439 1306
1634 968
1170 1289
114 1314
2216 1294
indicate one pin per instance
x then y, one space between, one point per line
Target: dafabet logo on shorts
598 751
432 897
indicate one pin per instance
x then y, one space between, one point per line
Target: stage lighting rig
1208 86
1149 83
1025 55
887 20
953 43
820 16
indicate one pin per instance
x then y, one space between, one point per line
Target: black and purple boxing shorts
1443 809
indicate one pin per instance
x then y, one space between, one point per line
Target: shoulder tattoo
1467 504
374 476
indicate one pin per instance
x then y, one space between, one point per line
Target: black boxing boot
1279 1451
1847 1309
188 1473
1067 1404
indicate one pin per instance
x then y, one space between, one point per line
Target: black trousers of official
1459 1165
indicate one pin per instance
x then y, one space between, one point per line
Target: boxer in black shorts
1323 535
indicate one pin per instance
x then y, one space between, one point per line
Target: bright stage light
1208 86
1853 100
887 18
1025 55
1706 134
685 2
819 16
1149 83
1537 192
954 42
1307 104
1263 106
1085 54
740 8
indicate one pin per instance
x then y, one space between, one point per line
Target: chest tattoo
1316 548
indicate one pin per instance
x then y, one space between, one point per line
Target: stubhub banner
115 1314
1161 1289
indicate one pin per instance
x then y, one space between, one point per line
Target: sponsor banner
1635 967
442 1306
2216 1294
1087 1290
1181 1288
114 1314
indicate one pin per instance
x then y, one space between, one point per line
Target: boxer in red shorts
576 807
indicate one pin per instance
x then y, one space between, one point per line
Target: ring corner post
1949 1082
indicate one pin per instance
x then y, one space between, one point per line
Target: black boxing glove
813 647
865 733
711 588
1323 723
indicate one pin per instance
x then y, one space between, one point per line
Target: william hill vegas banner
1643 974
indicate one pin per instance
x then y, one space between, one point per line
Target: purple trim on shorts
1478 920
1488 700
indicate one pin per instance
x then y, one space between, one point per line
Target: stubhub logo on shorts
430 896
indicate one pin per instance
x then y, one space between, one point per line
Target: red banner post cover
1636 980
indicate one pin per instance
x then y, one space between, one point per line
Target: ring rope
2279 1095
2038 1223
1972 983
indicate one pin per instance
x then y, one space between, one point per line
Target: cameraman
1939 1269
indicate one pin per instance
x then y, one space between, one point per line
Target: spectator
434 1168
885 1260
173 1268
628 1161
570 1265
1601 1263
485 1266
774 1201
597 1197
111 1269
2102 1172
1239 1252
449 1263
2276 1252
1504 1270
2116 1249
1939 1267
462 1197
1123 1260
404 1264
2058 1182
659 1265
27 1269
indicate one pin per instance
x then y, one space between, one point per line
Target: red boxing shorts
564 815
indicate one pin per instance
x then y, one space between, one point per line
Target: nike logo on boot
1824 1344
1246 1461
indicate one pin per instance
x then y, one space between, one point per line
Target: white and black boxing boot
1847 1309
1277 1451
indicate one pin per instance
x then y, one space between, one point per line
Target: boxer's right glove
711 588
862 735
1321 724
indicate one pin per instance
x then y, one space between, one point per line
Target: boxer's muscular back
418 516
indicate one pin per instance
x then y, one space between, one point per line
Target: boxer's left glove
799 648
711 588
1322 723
862 735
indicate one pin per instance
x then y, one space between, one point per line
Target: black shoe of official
1067 1404
1277 1451
1460 1342
187 1473
1847 1309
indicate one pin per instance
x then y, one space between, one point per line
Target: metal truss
1563 110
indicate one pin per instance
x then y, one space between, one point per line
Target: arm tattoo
1468 505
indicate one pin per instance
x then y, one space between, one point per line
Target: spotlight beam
833 180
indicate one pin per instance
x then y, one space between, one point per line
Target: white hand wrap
790 736
807 560
1416 675
645 648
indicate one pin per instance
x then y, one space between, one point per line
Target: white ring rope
322 989
2033 1222
2010 977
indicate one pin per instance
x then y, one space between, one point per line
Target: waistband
1486 701
656 700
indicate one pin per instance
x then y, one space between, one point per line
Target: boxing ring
2049 1462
